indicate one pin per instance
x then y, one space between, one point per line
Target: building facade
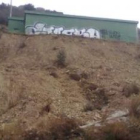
35 23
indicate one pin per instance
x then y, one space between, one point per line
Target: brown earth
34 88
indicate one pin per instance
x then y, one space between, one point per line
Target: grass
11 131
114 131
57 129
25 74
88 107
61 128
130 89
134 115
14 93
95 95
135 107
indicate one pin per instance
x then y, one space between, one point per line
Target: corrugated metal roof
16 18
80 17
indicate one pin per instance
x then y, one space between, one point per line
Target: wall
81 26
16 25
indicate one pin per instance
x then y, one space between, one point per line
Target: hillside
86 83
19 11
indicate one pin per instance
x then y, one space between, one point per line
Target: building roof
80 17
16 18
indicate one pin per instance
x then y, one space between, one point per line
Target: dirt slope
34 87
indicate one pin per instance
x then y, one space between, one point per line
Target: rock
96 123
114 117
75 76
118 114
54 74
78 75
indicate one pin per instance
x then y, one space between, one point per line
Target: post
11 8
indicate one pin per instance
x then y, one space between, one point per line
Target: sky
118 9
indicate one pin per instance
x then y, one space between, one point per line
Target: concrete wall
37 23
16 25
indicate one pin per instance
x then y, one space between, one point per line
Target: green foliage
61 58
18 11
29 7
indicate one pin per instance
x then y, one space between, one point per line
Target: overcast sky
118 9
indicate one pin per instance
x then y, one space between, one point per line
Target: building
53 23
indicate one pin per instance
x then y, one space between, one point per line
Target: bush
94 94
134 109
115 131
78 75
88 107
61 58
130 89
62 128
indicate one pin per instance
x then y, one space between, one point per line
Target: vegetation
130 89
62 128
134 114
61 58
18 11
34 91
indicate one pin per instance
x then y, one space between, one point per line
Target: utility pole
11 8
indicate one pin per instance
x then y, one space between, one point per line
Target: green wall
108 28
16 25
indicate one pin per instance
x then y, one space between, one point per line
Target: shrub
88 107
78 75
134 110
54 74
94 94
22 45
98 98
92 133
75 76
115 131
61 58
130 89
62 128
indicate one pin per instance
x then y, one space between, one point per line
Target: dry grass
134 115
11 93
78 75
135 107
14 93
57 129
88 107
130 89
11 131
29 77
95 95
115 131
60 128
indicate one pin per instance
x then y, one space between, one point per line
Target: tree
18 11
29 7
